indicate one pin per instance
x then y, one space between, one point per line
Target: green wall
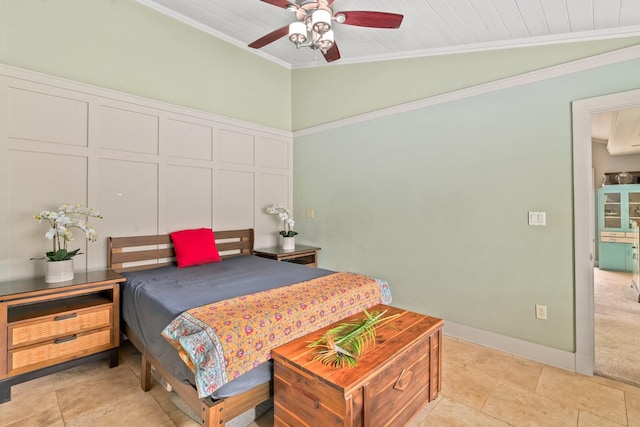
352 89
435 201
123 45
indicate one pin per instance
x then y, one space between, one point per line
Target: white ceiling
620 130
429 27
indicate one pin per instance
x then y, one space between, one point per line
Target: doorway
616 161
584 220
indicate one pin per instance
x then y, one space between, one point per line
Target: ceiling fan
312 28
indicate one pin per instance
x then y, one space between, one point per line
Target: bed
156 292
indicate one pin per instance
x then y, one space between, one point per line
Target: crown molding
614 57
585 36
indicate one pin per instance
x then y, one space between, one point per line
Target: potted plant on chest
59 261
288 235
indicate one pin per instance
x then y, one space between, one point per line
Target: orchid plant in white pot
287 234
61 221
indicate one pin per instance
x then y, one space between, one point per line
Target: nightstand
305 255
48 327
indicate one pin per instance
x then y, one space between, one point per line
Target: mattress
151 299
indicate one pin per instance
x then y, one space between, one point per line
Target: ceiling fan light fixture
297 33
321 21
326 41
313 27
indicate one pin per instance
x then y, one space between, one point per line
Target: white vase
288 243
58 271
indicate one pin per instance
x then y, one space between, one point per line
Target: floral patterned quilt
223 340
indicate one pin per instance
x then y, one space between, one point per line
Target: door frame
584 219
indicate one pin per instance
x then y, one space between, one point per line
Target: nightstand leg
113 358
5 391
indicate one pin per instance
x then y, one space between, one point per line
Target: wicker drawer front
401 388
62 324
52 352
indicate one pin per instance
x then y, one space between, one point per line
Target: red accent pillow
195 247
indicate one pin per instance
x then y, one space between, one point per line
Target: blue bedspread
151 299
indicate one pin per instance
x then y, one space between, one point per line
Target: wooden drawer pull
316 402
65 316
65 339
403 380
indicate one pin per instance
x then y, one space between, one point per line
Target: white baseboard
528 350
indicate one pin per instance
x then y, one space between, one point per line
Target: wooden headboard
139 249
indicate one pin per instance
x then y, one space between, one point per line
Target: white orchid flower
50 234
61 222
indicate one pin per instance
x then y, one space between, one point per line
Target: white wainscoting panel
272 189
234 202
235 147
189 193
127 197
124 129
40 181
273 153
148 166
189 140
37 116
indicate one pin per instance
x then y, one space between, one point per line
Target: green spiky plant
345 343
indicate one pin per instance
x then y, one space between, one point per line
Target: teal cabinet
618 208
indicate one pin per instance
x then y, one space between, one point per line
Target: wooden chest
390 384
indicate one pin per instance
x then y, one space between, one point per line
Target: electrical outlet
310 213
541 312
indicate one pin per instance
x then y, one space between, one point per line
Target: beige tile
523 408
424 412
467 386
97 391
131 356
79 373
458 352
616 384
507 368
138 410
451 413
49 418
633 409
582 392
28 399
587 419
167 400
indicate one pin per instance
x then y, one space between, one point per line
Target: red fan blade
370 19
279 3
269 38
332 54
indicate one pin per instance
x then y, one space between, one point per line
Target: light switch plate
537 218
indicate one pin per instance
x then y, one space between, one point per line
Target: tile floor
481 387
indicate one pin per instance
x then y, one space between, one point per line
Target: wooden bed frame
126 250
